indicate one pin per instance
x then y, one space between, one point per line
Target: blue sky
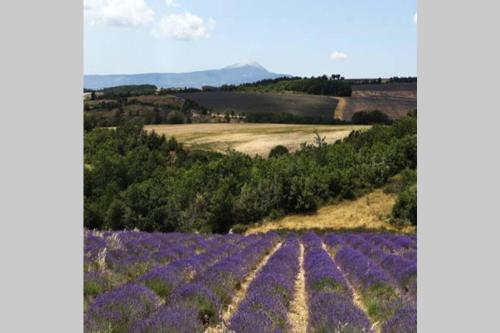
355 38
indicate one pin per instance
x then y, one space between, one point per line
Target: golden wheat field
252 139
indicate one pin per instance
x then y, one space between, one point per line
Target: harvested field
369 211
252 139
243 102
393 99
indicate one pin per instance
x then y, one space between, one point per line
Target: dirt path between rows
339 109
299 315
356 297
240 294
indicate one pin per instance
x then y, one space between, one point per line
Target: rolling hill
234 74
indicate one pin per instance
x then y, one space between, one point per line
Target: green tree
405 209
175 117
278 151
115 216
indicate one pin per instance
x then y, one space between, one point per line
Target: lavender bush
117 310
331 308
265 308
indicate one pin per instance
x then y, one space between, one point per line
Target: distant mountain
234 74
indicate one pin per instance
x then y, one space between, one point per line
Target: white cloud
415 18
338 56
171 3
124 13
184 26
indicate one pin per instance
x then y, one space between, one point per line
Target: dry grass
369 211
252 139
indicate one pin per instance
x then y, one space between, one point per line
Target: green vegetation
404 185
278 151
127 91
321 85
370 117
135 179
289 118
334 85
115 108
377 298
239 228
405 209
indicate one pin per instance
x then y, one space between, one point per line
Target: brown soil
299 314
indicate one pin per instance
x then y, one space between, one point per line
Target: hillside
248 103
367 212
394 99
234 74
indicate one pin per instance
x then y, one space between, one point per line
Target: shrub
370 117
239 228
175 117
405 209
278 151
401 181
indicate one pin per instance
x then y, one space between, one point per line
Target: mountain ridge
234 74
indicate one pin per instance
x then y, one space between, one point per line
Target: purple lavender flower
329 297
172 319
200 298
404 320
360 270
118 309
334 312
269 295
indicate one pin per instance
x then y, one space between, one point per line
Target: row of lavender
330 297
186 281
115 258
383 270
183 295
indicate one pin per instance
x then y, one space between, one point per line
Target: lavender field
174 282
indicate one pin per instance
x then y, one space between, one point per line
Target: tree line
333 85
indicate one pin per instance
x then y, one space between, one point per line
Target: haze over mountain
235 74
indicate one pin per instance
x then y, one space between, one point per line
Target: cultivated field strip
168 282
403 271
266 305
112 259
201 300
240 294
331 305
188 283
389 309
